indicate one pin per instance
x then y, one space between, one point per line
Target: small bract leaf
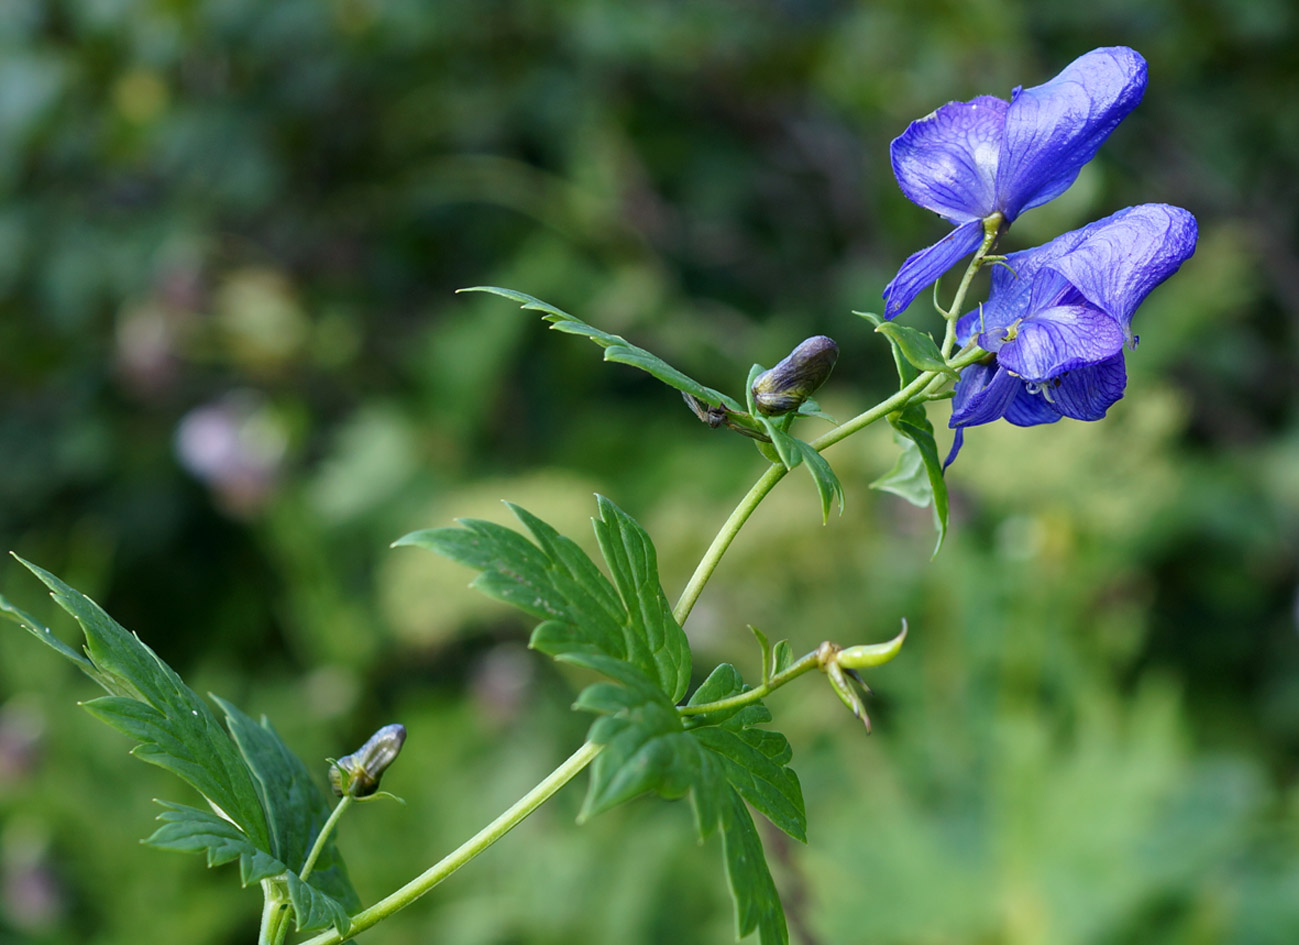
917 347
918 475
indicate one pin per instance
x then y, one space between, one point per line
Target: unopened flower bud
864 656
358 774
796 378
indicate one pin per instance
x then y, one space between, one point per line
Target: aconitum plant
1048 343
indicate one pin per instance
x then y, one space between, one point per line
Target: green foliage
918 474
916 347
270 812
626 631
616 348
712 180
585 620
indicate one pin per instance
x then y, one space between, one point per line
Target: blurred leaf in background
232 370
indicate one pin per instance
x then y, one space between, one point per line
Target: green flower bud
796 378
358 774
865 656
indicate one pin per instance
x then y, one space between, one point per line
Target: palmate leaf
626 631
720 760
267 810
616 348
619 628
190 830
296 810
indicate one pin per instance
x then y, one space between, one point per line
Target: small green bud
865 656
358 774
796 378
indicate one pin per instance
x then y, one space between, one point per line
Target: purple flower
970 160
1058 316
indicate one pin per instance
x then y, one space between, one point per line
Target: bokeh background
233 369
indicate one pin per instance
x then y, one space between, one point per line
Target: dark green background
1091 736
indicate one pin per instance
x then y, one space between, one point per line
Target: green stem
275 913
322 838
722 540
793 671
921 386
467 850
991 229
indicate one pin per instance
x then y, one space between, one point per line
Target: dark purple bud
796 378
358 774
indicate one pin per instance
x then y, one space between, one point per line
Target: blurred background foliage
232 370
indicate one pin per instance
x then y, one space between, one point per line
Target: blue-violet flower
970 160
1058 316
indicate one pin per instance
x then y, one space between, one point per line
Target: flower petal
1117 264
925 267
1030 410
1053 129
947 161
1087 393
1121 258
1055 340
982 395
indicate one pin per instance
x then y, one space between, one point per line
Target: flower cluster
1058 316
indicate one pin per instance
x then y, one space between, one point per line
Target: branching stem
925 386
793 671
467 850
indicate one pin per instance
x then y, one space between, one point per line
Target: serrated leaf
46 636
314 909
722 683
771 788
757 903
646 749
296 808
190 830
617 349
918 475
625 631
265 815
187 829
720 759
633 562
149 701
917 347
